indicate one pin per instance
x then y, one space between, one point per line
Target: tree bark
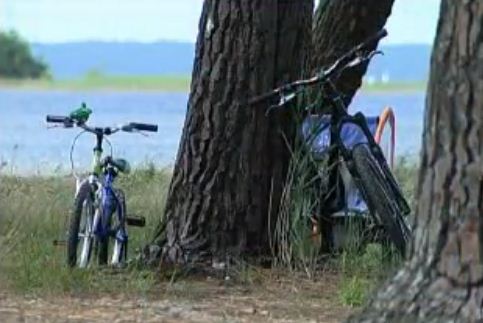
232 158
443 280
339 26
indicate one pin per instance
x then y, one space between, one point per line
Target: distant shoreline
162 83
395 87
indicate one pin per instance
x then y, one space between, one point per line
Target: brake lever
270 108
363 58
374 53
65 126
54 126
139 132
284 99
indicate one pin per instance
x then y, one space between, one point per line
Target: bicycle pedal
59 243
136 221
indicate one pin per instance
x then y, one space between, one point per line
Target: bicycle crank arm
59 243
136 221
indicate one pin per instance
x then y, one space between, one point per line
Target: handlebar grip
376 37
381 34
57 119
144 126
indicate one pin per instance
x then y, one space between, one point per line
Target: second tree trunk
232 158
339 26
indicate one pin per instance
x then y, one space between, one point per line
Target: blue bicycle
99 211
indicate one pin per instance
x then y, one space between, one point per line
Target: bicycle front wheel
380 197
80 233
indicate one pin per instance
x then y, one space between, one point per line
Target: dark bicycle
357 152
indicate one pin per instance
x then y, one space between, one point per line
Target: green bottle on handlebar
81 115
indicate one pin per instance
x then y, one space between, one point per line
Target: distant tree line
17 60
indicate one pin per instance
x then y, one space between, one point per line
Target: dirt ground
265 299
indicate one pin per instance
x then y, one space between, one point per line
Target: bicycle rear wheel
380 197
81 228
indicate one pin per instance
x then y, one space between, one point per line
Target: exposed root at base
419 294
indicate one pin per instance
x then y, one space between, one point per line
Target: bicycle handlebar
352 54
69 122
57 119
144 126
339 65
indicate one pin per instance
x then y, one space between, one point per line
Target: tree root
418 293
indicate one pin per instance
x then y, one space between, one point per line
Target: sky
47 21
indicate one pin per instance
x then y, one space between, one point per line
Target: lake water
26 145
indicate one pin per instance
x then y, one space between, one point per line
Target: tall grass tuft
364 270
34 211
406 172
293 243
292 239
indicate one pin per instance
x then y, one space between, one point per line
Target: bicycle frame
109 200
96 163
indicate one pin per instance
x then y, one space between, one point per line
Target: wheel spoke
85 236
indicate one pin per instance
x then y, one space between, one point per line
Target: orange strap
386 116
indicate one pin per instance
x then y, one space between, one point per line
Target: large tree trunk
339 25
232 158
443 281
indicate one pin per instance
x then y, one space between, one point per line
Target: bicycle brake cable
71 155
110 146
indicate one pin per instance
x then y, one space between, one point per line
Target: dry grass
34 212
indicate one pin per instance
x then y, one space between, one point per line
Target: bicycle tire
83 195
380 196
122 252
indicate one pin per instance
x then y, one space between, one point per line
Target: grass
98 81
406 172
34 212
361 267
293 245
363 271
